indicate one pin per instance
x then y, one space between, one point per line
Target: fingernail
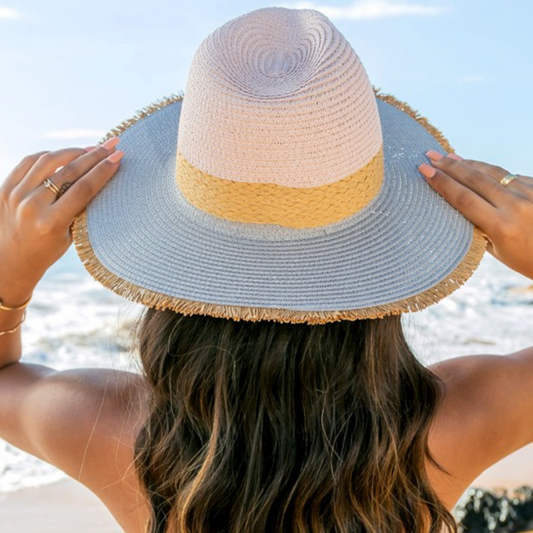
111 143
432 154
89 148
427 170
115 157
455 156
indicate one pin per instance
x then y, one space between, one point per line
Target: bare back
455 438
99 412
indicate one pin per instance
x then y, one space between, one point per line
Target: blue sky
70 71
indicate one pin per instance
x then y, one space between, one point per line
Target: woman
303 417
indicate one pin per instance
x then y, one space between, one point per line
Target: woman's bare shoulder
115 481
85 422
495 392
485 416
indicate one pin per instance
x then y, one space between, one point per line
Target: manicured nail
455 156
89 148
115 157
432 154
111 143
427 170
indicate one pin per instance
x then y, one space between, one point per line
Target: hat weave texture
281 186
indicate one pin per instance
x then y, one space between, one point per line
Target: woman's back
90 426
476 426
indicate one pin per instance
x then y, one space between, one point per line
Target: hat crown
278 96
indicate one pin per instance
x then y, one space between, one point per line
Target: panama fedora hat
280 185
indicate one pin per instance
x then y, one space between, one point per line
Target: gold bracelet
16 327
2 306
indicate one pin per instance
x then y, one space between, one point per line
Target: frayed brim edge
160 301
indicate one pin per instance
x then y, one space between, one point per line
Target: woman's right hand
503 213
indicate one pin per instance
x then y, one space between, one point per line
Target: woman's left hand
34 222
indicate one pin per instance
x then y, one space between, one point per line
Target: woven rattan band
270 203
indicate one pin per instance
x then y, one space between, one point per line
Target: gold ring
48 183
507 179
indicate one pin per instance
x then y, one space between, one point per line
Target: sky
71 71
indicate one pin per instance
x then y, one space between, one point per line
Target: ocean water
73 322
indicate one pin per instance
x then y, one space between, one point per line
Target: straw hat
280 186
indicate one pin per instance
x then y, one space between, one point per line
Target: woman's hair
268 427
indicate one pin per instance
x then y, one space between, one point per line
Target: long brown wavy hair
268 427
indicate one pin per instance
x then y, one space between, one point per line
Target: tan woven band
270 203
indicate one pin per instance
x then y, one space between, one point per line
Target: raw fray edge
414 114
160 301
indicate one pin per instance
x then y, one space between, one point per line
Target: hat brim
407 249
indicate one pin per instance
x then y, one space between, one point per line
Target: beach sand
68 506
65 506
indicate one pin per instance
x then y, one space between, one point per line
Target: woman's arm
35 225
494 395
46 413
